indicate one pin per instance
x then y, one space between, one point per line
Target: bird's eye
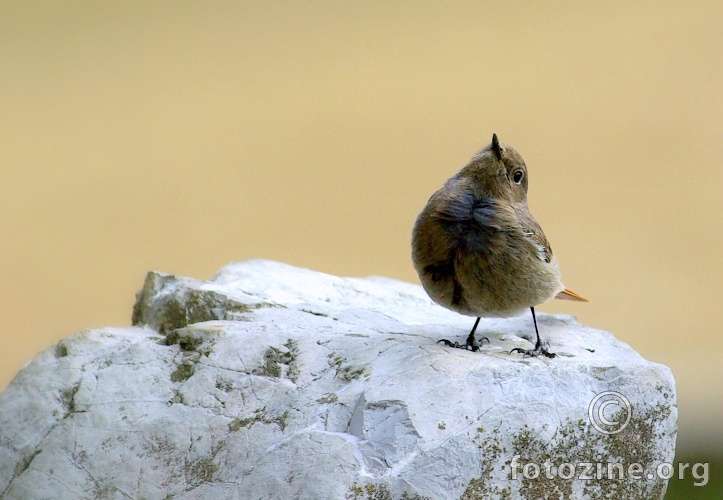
517 176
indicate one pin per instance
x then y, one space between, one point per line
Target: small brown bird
479 251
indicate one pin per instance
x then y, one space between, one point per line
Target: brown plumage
478 250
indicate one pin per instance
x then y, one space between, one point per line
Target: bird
479 251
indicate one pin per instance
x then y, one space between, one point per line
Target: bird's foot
468 346
534 352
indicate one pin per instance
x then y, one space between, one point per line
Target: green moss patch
259 416
281 363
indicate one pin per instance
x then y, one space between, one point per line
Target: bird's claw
534 352
473 346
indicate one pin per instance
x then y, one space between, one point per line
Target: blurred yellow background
181 136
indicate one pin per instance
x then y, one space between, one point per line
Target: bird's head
498 171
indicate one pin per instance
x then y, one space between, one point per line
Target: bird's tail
570 295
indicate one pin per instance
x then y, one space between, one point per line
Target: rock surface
270 381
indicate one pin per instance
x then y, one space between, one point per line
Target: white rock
270 381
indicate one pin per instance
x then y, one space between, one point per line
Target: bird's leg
539 349
471 344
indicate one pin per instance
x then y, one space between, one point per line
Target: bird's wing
532 230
